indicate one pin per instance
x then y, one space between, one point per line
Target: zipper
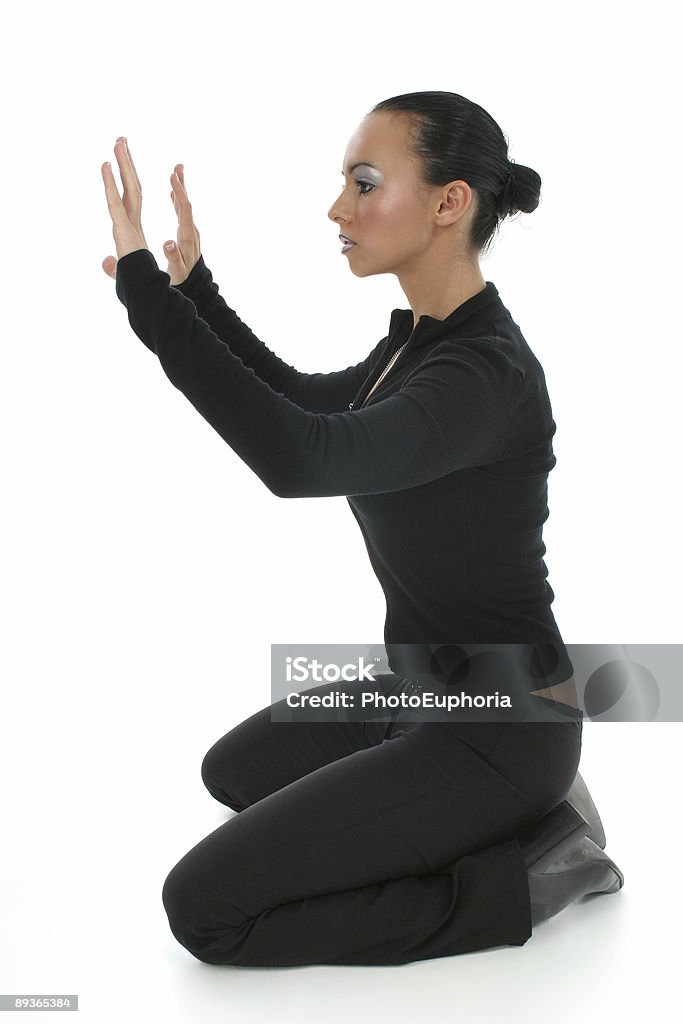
383 373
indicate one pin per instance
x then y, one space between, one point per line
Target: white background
146 570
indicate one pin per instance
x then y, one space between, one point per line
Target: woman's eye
367 184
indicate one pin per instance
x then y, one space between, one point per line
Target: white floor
82 914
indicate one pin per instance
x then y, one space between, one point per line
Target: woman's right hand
184 253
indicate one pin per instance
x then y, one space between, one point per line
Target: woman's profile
374 842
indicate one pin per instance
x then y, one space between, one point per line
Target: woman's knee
194 918
216 772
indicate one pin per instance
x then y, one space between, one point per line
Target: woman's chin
360 269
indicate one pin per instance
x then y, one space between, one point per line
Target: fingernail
169 246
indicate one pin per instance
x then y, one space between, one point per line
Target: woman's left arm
463 406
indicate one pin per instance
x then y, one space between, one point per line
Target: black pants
368 842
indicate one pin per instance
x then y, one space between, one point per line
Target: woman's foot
550 837
579 797
584 869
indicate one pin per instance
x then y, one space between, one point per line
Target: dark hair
457 139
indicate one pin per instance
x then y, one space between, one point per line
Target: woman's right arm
315 392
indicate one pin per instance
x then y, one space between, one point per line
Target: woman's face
384 207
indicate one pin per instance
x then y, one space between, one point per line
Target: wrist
195 280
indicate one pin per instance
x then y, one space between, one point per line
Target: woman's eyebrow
361 163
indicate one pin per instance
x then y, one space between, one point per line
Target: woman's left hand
126 212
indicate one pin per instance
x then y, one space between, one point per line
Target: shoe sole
584 871
585 854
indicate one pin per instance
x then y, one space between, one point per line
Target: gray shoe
548 838
583 870
579 797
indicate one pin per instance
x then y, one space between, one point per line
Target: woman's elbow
288 481
281 483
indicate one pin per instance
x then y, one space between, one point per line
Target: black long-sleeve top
445 466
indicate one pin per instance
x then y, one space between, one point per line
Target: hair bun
522 190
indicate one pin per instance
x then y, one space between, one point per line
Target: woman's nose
336 211
332 212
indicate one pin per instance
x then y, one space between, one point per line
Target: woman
367 842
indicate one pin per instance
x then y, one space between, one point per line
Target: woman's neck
436 290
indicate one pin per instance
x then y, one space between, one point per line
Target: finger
177 268
109 266
132 189
183 207
178 186
126 234
132 165
180 171
172 251
116 208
